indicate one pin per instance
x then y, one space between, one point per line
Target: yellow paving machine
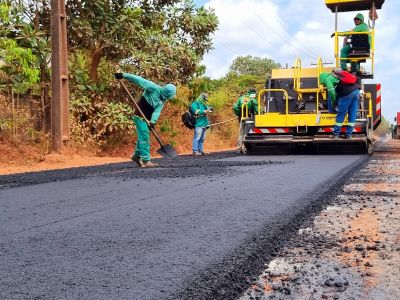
292 109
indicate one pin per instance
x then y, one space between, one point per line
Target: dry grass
219 138
24 147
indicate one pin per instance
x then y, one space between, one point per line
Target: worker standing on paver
200 109
347 101
250 100
151 104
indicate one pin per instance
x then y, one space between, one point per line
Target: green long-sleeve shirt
330 82
198 107
362 27
252 104
154 94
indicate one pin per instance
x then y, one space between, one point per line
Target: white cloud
245 29
284 29
255 27
313 25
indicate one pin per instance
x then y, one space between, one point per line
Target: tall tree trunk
94 64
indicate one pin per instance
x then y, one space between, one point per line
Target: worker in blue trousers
200 109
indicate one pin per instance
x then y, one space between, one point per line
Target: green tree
253 65
158 39
18 64
29 28
163 40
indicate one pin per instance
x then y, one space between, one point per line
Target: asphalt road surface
197 228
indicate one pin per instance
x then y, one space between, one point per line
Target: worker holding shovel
149 109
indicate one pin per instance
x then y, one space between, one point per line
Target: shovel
165 150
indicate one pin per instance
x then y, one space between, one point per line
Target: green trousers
142 149
344 53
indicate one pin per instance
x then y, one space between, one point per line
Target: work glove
151 126
119 75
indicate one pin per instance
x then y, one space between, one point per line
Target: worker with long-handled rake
147 112
201 109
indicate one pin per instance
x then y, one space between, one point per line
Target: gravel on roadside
352 248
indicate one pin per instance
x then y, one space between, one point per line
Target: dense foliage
251 65
161 40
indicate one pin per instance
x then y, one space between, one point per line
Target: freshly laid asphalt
196 228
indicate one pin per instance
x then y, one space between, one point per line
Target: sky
286 29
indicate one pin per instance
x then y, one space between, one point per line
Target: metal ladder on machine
319 90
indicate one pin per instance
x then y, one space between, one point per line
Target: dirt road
351 250
197 228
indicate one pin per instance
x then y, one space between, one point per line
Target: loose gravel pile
352 249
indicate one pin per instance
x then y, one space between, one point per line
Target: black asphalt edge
124 169
39 177
31 178
231 277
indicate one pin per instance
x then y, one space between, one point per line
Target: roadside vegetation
164 42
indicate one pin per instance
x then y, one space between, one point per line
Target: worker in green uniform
344 52
200 109
151 104
346 97
250 100
330 82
